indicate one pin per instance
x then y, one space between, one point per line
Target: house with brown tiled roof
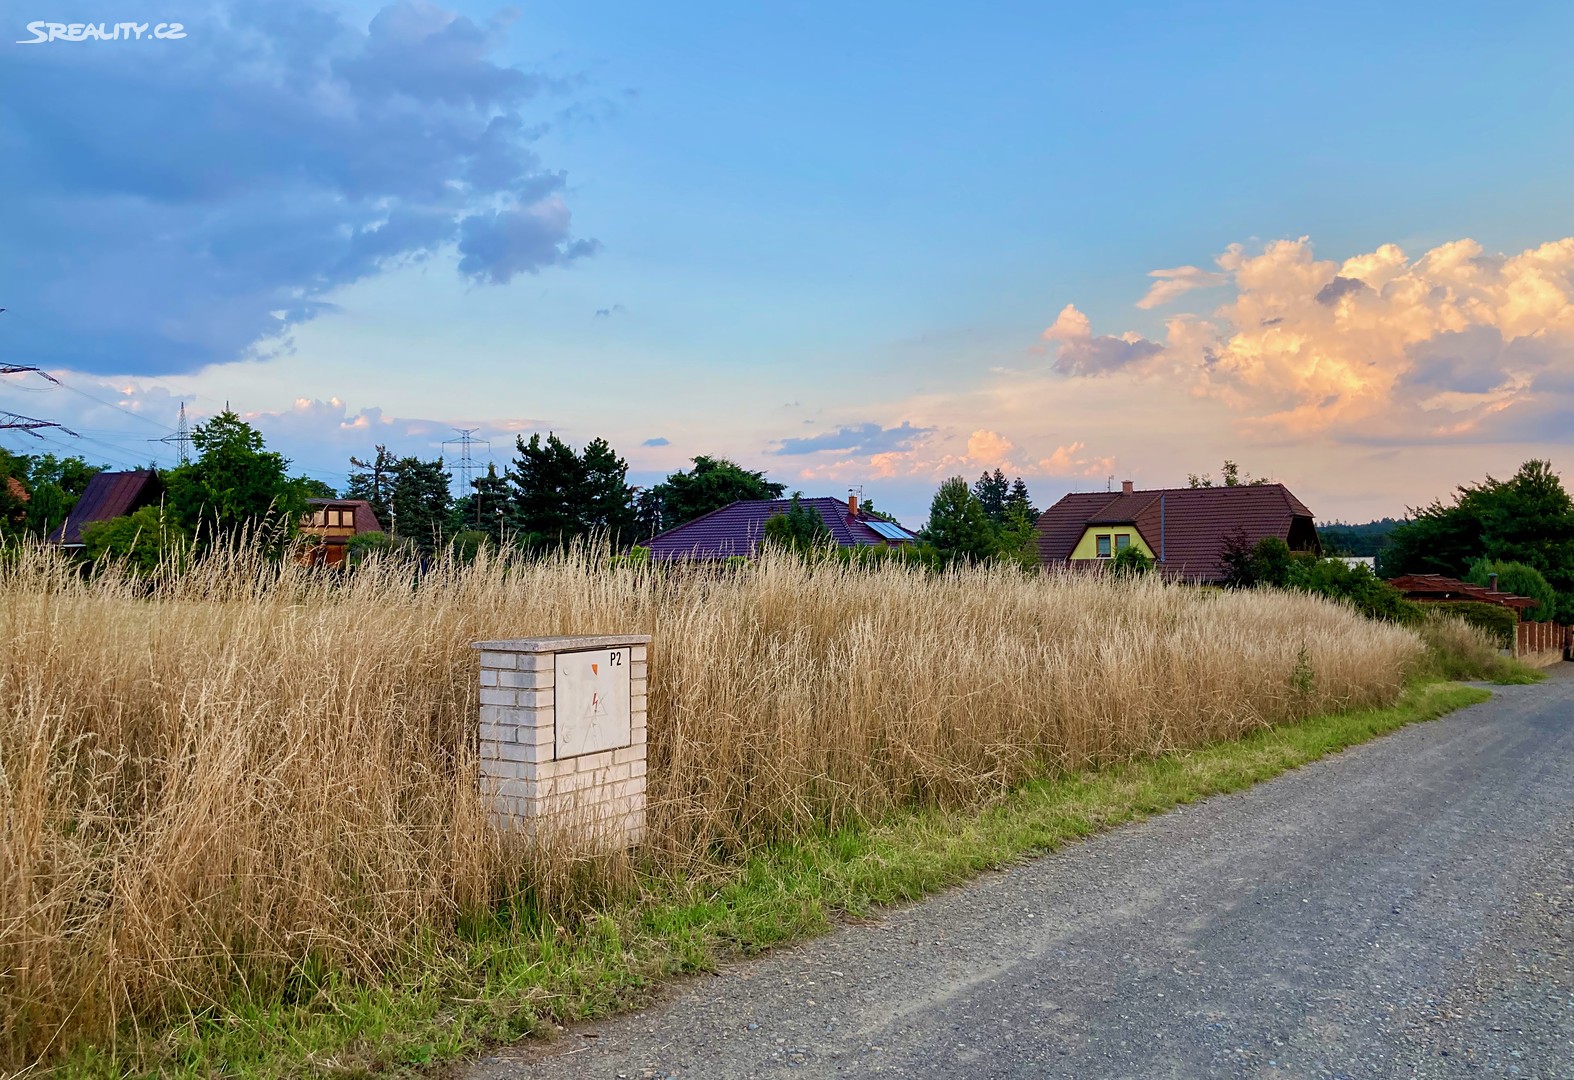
108 495
1183 530
330 523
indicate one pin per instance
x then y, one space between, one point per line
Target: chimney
852 505
1492 582
1126 487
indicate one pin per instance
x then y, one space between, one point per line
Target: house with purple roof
737 529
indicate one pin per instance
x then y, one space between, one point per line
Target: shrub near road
218 785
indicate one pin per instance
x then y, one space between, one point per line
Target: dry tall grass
206 779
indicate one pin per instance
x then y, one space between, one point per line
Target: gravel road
1399 910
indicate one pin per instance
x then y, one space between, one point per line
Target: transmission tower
14 422
465 466
181 438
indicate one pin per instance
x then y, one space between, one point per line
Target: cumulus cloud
657 441
1069 460
1080 353
859 439
1455 343
169 206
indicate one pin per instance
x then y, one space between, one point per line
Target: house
1184 530
1437 589
738 527
108 495
331 523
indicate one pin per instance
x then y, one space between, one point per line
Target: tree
489 508
1271 562
314 488
992 490
1229 476
1019 498
608 506
550 486
144 539
710 485
1527 519
647 512
421 502
1240 568
373 481
958 527
799 529
236 485
866 508
1521 580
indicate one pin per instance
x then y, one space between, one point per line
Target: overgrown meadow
208 780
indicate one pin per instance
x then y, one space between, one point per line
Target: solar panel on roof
890 531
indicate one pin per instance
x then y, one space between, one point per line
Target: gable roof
1185 526
737 528
365 517
108 495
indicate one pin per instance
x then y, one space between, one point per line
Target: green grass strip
516 975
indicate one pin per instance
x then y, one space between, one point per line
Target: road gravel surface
1402 909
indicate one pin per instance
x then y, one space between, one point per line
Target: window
1122 541
1101 543
319 518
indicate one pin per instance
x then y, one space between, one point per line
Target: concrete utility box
562 735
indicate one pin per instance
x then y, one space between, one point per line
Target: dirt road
1399 910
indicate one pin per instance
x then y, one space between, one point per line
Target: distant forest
1342 538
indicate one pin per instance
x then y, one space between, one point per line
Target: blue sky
865 247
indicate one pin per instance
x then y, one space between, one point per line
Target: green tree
489 508
1229 476
54 485
800 528
1521 580
235 485
1019 498
421 502
373 481
314 488
958 527
550 485
1356 585
992 490
1527 519
144 539
608 505
710 485
1271 562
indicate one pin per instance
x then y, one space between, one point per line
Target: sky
856 246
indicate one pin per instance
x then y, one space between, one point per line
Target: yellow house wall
1087 547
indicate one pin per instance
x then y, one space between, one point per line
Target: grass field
242 833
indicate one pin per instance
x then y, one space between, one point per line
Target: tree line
549 494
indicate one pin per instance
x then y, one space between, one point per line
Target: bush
1497 622
1271 562
143 541
1521 580
1130 562
1356 585
1459 650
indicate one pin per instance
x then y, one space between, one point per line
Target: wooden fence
1541 637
